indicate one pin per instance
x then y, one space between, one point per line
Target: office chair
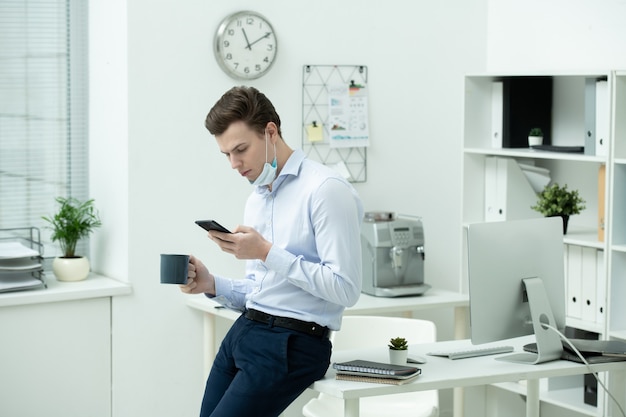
374 331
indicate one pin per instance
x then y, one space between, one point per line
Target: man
301 243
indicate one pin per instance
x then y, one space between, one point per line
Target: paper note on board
315 133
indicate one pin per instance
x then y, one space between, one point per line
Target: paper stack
20 267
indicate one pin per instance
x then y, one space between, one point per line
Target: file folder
590 116
602 118
508 193
497 104
601 201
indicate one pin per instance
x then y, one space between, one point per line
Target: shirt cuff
279 260
230 293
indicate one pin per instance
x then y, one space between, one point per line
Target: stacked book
376 372
20 267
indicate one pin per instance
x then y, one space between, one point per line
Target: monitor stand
549 347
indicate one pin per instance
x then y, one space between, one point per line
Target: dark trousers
259 370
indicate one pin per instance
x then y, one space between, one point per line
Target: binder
496 114
602 118
600 288
494 201
574 282
590 116
601 201
508 193
589 281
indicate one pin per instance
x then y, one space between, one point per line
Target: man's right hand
199 279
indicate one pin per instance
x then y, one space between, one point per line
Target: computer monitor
516 283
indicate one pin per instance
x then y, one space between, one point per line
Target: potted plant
75 220
555 200
398 350
535 136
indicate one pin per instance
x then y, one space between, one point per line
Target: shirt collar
292 167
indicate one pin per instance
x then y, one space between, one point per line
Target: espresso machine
393 255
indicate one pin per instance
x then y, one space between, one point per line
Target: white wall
556 35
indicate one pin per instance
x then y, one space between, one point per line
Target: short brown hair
246 104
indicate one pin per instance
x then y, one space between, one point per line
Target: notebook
375 380
376 369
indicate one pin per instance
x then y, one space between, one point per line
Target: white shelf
580 172
585 325
536 154
618 334
619 248
567 398
583 237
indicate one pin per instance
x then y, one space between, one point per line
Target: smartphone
212 225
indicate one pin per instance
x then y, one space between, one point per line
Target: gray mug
174 268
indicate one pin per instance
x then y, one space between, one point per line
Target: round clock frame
245 45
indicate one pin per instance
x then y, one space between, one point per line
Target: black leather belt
307 327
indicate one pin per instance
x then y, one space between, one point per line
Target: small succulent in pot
398 343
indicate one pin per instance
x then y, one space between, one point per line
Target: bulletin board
317 80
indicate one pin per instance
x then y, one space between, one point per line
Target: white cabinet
56 359
595 264
55 349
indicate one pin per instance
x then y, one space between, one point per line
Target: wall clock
245 45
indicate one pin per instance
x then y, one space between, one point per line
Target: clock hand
246 36
262 37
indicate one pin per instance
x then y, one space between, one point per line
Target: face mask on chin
268 175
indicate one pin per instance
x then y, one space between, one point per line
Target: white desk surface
367 304
94 286
441 373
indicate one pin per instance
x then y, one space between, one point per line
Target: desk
441 373
367 304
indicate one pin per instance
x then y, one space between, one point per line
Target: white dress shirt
313 218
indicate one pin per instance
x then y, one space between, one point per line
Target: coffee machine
393 255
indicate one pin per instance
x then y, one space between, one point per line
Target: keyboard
472 352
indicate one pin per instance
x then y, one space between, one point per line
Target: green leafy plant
74 220
535 131
398 343
555 200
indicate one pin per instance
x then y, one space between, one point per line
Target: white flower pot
398 357
535 140
71 269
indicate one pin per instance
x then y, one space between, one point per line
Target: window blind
43 110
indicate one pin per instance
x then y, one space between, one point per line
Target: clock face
245 45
